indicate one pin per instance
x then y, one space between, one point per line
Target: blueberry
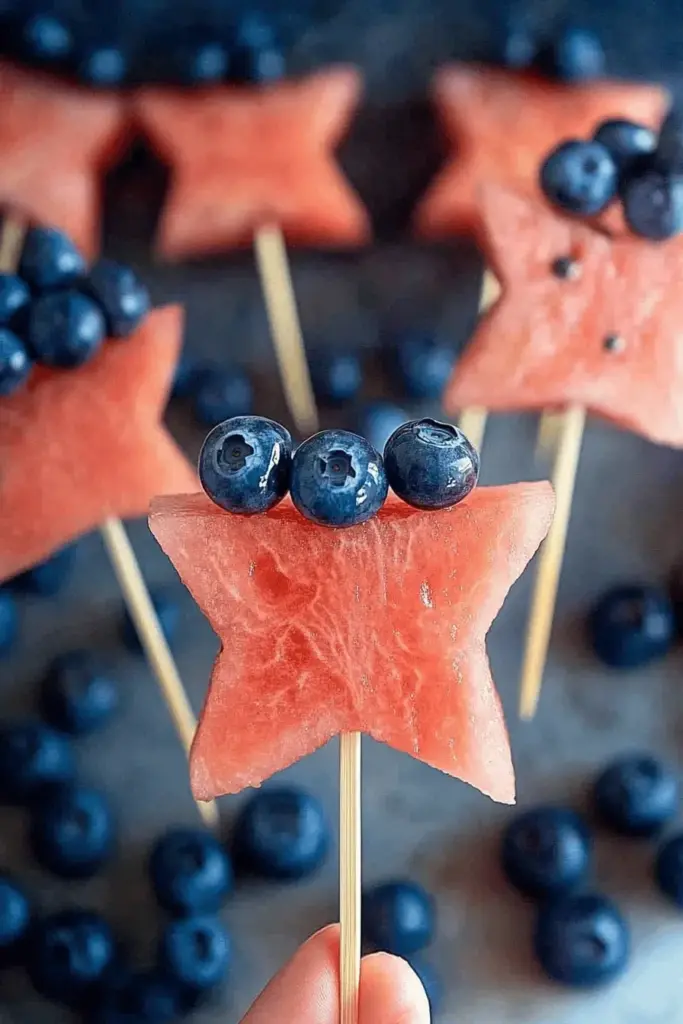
653 204
9 620
15 920
581 940
45 37
187 374
517 45
636 795
431 983
191 873
48 577
220 394
430 465
424 363
257 58
195 952
49 259
15 298
168 613
337 376
199 61
78 694
631 625
102 67
546 851
120 293
579 177
676 596
398 917
70 955
627 142
377 421
15 362
149 997
669 152
72 832
33 759
669 869
245 464
338 479
577 55
281 833
65 329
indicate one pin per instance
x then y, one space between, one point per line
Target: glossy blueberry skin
377 421
15 920
431 982
195 952
191 872
15 297
424 363
123 298
46 38
49 577
546 851
15 362
168 614
578 55
220 394
49 259
281 833
630 144
338 479
72 833
631 626
430 465
70 955
337 377
9 620
79 694
33 759
149 997
636 795
581 940
245 464
398 917
257 58
65 329
653 204
579 177
102 67
669 153
668 869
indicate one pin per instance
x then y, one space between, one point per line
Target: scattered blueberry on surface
15 362
579 177
148 997
676 595
669 152
102 67
123 297
377 421
198 61
65 329
33 759
245 464
72 832
336 376
70 954
424 363
220 394
79 694
627 142
669 869
191 872
546 851
577 55
257 58
517 44
431 982
15 298
398 917
168 613
281 833
49 259
9 620
49 577
46 38
653 204
196 953
15 920
631 625
581 940
636 795
430 465
338 479
188 372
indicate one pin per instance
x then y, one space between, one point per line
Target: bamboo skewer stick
472 421
551 555
129 575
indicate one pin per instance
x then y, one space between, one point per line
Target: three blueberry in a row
626 161
336 478
56 312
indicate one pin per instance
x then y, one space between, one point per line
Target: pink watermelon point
379 628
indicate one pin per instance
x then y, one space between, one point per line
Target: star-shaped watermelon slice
500 125
243 157
56 142
607 337
379 628
79 446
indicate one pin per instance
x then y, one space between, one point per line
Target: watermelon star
379 628
79 446
500 125
56 142
606 337
244 157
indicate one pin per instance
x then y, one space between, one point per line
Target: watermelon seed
614 343
566 268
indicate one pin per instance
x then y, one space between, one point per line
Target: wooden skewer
548 436
472 421
129 575
551 555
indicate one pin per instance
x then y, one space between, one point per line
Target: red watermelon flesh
78 446
379 628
